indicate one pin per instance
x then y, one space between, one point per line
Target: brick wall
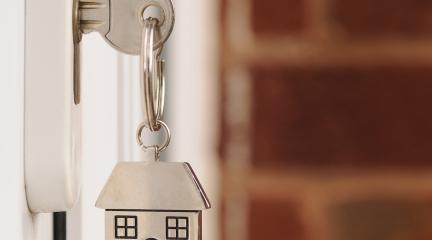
326 119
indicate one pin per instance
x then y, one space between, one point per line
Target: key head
126 23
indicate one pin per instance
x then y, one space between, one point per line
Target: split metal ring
152 79
157 148
166 23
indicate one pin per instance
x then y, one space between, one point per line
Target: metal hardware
140 209
94 15
77 54
125 27
158 149
152 200
152 80
120 22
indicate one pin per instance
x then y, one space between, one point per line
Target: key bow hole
152 11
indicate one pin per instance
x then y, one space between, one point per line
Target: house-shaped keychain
153 201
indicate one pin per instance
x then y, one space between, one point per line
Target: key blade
94 16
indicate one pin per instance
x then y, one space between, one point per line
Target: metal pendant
150 200
153 201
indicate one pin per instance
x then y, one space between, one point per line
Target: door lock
121 22
52 114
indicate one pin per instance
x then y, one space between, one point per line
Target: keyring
152 79
157 148
166 23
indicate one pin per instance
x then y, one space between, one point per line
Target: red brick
383 18
272 219
377 116
277 17
378 219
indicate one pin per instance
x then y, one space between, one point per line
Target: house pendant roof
153 186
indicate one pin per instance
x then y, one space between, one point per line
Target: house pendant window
125 227
177 228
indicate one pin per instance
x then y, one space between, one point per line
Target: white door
110 114
99 118
15 220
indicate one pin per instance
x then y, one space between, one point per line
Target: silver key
120 22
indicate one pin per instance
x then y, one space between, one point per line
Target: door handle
52 86
52 111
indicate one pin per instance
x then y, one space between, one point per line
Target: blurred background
303 119
325 116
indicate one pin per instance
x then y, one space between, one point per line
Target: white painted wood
52 120
11 127
16 221
100 127
193 97
99 137
129 108
100 131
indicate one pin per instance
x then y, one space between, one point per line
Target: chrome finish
155 194
166 21
120 22
151 76
153 186
94 16
158 149
77 36
77 74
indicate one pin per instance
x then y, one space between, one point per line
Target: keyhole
153 11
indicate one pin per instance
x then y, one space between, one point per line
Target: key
94 16
120 22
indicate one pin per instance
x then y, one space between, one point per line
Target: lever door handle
52 114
